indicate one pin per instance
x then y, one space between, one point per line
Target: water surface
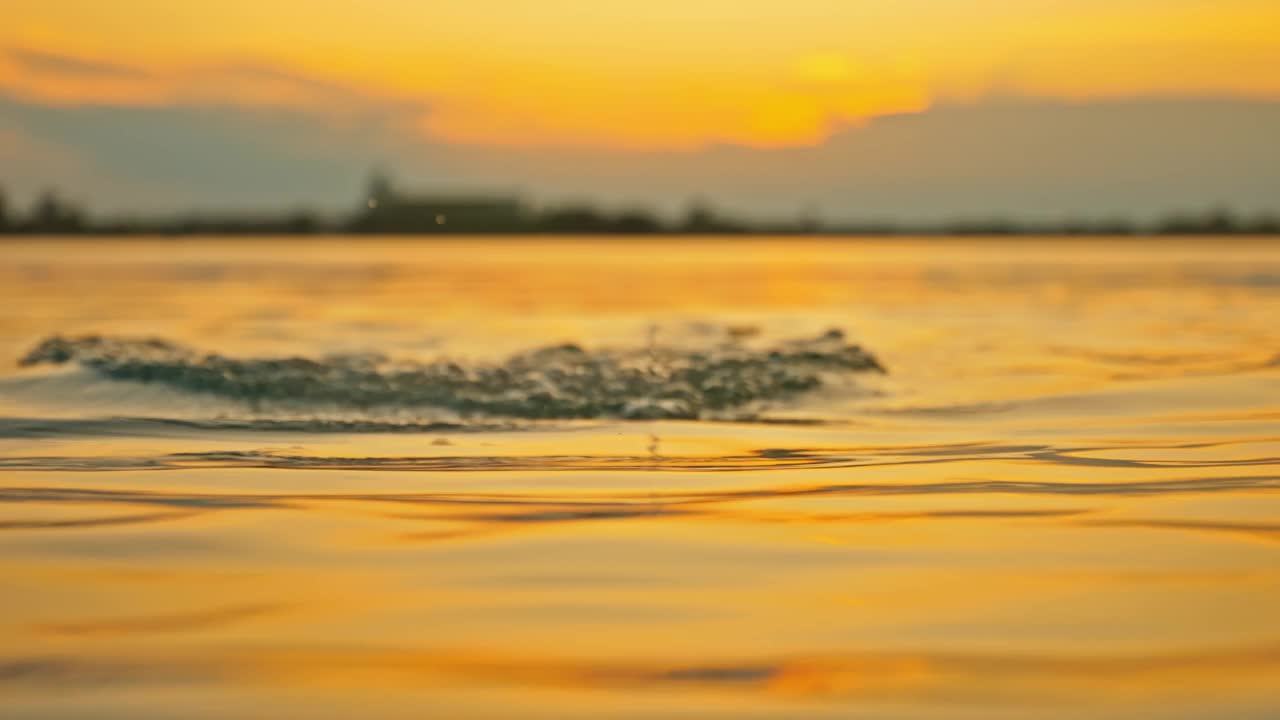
553 478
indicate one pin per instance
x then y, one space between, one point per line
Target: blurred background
1093 116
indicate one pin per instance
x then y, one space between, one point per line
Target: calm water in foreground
1061 501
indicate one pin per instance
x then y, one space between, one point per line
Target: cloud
255 85
311 148
48 78
51 63
1016 157
783 103
1027 157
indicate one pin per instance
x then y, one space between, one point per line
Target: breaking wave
557 382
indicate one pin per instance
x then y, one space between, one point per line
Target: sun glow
658 75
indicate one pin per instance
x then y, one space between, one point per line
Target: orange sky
670 74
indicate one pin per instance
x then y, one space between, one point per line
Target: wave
17 428
758 460
623 502
556 382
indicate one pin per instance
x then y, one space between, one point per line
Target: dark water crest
561 381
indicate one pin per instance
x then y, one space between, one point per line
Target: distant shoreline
835 236
386 210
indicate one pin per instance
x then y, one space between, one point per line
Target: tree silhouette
53 215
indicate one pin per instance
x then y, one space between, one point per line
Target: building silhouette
388 210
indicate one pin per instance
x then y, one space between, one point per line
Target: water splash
561 381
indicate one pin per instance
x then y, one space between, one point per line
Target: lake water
1061 500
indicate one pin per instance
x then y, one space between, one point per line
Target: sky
914 107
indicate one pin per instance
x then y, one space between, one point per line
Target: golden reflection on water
1062 501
